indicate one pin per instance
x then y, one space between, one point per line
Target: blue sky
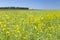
32 4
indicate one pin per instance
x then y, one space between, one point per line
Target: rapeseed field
29 24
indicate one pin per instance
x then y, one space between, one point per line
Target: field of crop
29 24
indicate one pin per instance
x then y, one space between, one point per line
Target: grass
29 24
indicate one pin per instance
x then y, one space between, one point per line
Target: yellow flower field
29 24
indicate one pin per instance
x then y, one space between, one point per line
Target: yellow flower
8 33
47 17
51 28
17 31
35 27
16 27
4 25
35 20
0 23
4 29
30 17
39 26
7 16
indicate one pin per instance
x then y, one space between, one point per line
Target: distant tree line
24 8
